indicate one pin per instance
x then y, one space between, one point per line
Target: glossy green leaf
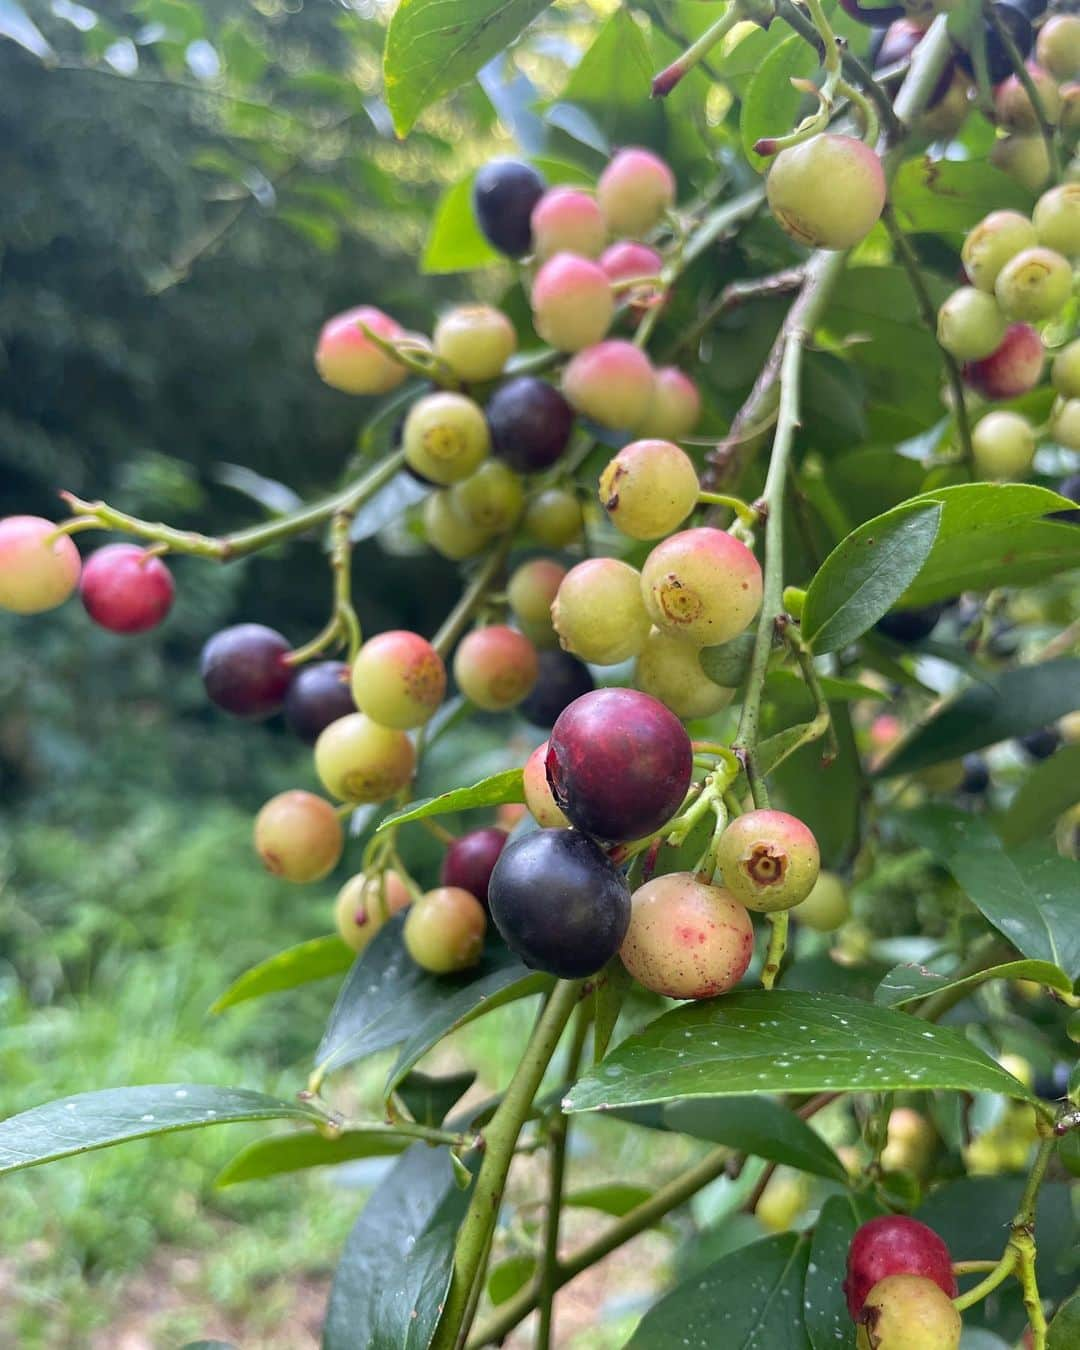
1064 1330
455 242
751 1299
866 574
509 1276
18 27
1051 787
433 46
431 1099
302 1150
828 1322
615 72
506 786
909 983
314 960
616 1198
771 103
781 684
775 1041
950 196
729 663
395 1270
92 1120
760 1126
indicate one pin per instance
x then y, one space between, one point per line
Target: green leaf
866 574
757 1125
430 1099
17 25
616 1198
1052 786
729 663
775 1041
785 684
388 999
1064 1330
1002 705
433 46
751 1299
772 102
510 1276
950 196
506 786
828 1322
314 960
392 1279
299 1151
613 81
91 1120
909 983
455 242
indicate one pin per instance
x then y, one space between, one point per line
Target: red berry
530 423
124 590
701 585
398 679
567 220
572 302
318 695
298 836
348 360
1012 370
37 572
835 219
900 39
619 763
504 194
634 191
495 667
895 1245
469 861
611 382
245 671
769 860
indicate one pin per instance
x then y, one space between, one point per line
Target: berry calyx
554 517
702 586
559 902
125 590
1003 445
1012 370
670 670
619 764
634 191
447 530
839 218
561 678
298 836
347 359
826 907
567 220
358 760
37 570
445 437
469 860
599 613
475 341
245 671
908 1312
611 382
988 247
492 498
531 591
444 930
769 859
1034 284
895 1244
504 194
319 694
398 679
495 667
649 488
970 325
572 302
530 423
541 804
674 408
686 939
1057 219
365 903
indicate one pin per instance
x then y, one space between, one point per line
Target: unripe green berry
445 437
634 191
572 302
444 930
670 670
567 220
702 586
37 571
970 324
1024 158
686 939
348 360
996 239
365 903
298 836
674 407
1003 445
1065 424
611 382
649 488
554 517
360 761
1065 372
1058 46
398 679
908 1312
448 532
492 498
1057 219
538 795
1070 126
769 860
475 341
826 907
598 612
495 667
1034 285
784 1198
949 113
531 592
1015 109
842 215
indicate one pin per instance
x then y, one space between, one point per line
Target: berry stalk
1020 70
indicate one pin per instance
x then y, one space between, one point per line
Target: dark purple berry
318 695
469 861
245 671
530 423
504 194
911 625
562 679
1069 487
976 777
1041 744
1017 19
559 903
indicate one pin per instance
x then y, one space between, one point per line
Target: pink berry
835 217
567 220
398 679
769 860
298 836
348 360
572 302
702 586
627 261
1013 107
124 590
37 572
1013 369
634 191
611 382
495 667
895 1245
542 805
674 408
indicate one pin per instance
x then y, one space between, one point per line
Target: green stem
988 951
998 1275
500 1138
698 50
1019 65
746 513
809 673
472 597
406 1129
